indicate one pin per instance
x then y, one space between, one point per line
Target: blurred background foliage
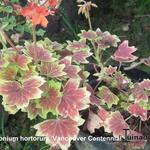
129 19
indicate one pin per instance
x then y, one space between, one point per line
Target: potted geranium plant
42 77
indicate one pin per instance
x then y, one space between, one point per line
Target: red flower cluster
53 3
37 14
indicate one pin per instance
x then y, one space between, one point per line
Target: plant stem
95 68
136 124
135 127
26 145
89 21
119 66
34 35
140 125
45 147
128 117
98 54
34 43
135 64
97 85
97 51
147 126
9 41
107 60
2 124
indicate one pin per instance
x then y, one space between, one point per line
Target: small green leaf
40 32
20 28
8 9
23 28
9 23
145 105
15 1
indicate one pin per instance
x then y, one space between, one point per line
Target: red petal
44 22
53 3
36 13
